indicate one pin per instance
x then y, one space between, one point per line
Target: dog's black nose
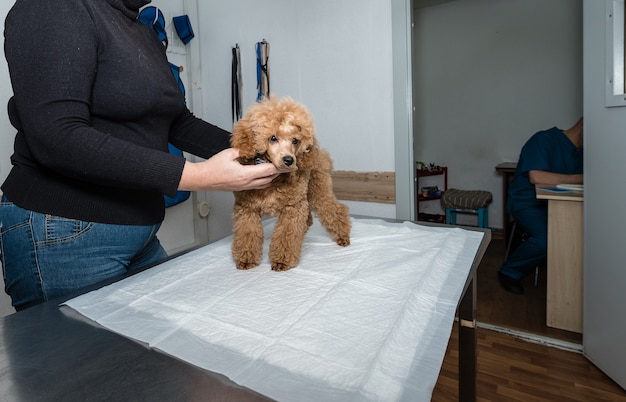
288 160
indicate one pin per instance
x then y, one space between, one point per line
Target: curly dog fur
281 131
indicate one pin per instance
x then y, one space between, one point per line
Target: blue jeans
534 250
44 257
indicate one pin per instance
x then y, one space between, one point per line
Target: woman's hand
223 172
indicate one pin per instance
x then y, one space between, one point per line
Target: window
615 91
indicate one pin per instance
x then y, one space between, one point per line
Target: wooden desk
508 171
565 260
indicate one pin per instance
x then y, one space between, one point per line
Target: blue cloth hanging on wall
154 18
183 28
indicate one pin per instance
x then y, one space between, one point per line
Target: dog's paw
244 265
343 241
279 266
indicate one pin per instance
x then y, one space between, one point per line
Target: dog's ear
307 160
298 116
242 139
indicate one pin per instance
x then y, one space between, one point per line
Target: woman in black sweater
95 105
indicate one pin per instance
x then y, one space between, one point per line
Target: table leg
467 344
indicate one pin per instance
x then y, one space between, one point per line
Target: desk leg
467 344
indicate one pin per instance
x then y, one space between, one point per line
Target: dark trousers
534 250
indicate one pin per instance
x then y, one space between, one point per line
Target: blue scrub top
549 150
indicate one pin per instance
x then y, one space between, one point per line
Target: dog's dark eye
273 139
295 141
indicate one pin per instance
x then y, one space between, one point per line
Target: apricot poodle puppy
280 131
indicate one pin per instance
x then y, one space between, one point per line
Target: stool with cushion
468 202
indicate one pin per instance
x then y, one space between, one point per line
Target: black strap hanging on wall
262 69
236 85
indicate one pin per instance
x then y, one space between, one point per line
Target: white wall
488 75
335 57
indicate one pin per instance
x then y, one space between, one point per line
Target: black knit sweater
95 104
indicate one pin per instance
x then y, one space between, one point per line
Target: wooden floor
525 312
512 369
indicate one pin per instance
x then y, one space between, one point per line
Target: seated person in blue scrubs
549 157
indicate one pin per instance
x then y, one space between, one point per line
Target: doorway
486 75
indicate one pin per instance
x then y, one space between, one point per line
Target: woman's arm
223 172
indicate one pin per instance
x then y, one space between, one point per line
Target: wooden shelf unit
420 173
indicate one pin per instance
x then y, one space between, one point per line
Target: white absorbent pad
370 321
